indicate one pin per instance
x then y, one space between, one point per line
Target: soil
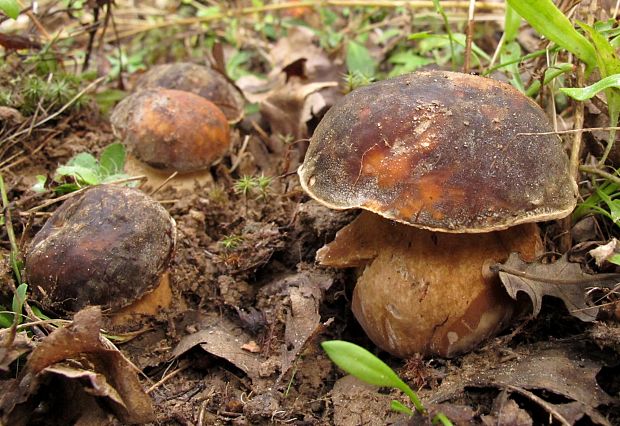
240 342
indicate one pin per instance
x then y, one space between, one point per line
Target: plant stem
596 171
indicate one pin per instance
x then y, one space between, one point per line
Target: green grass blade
400 408
19 298
362 364
549 21
512 22
550 74
588 92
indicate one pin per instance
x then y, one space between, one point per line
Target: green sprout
365 366
85 170
244 185
247 185
231 242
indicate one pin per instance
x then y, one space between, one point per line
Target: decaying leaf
605 252
225 340
10 351
556 378
561 279
76 358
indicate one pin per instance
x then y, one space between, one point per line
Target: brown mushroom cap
171 129
198 79
107 246
441 151
427 292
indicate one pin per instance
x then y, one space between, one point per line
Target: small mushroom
109 246
198 79
168 131
442 162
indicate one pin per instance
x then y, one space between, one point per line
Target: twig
470 35
74 193
561 132
168 377
164 183
544 404
413 4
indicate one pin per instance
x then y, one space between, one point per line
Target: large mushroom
168 131
109 246
451 184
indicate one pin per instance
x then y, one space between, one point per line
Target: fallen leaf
20 345
223 339
558 378
604 252
16 42
561 279
95 368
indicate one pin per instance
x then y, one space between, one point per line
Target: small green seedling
363 365
85 170
231 242
14 317
247 185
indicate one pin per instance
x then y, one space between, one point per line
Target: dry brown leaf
559 379
602 253
561 279
77 356
20 345
224 340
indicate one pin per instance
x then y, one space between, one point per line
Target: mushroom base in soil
427 292
156 177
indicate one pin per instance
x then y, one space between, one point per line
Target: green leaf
359 59
6 320
512 22
614 258
550 74
19 298
549 21
585 93
84 175
405 62
84 159
40 185
400 407
112 159
511 51
10 8
360 363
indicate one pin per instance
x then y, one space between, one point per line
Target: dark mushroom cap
198 79
107 246
441 151
172 129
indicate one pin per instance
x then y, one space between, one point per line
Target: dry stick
561 132
544 404
74 193
566 240
419 4
164 183
470 35
167 377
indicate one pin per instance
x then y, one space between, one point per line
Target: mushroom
108 245
451 184
198 79
168 131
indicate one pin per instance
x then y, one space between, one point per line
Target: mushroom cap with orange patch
442 151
